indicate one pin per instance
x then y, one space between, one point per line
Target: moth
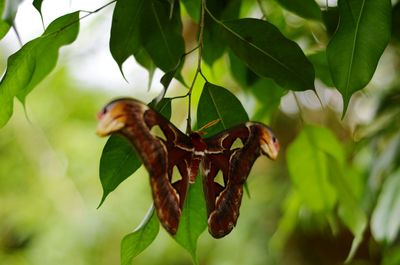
134 120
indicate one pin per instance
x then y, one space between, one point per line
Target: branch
198 70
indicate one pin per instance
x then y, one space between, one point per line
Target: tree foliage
272 50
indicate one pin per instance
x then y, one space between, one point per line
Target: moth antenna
207 125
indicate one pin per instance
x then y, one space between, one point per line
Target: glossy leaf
305 8
124 38
385 222
213 43
268 53
219 103
356 47
307 159
193 221
161 35
137 241
34 61
350 211
119 159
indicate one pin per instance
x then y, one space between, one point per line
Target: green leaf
38 5
34 61
385 221
268 95
4 26
193 8
119 159
163 107
396 22
161 35
354 51
321 67
125 29
137 241
213 42
143 58
219 103
268 53
330 17
350 211
309 168
193 221
306 8
166 79
240 72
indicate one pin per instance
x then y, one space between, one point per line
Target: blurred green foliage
333 190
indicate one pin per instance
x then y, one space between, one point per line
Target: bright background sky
89 57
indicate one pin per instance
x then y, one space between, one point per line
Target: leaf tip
103 198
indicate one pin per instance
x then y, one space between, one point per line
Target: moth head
113 117
269 143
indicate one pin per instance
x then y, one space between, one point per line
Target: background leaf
119 159
193 8
306 8
361 37
137 241
309 169
193 221
10 10
219 103
350 211
268 53
385 223
4 26
34 61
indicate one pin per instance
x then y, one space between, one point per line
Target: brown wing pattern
223 203
134 120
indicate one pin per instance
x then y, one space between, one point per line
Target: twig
198 70
96 10
299 107
79 19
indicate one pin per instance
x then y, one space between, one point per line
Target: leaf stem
299 108
198 70
97 10
79 19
